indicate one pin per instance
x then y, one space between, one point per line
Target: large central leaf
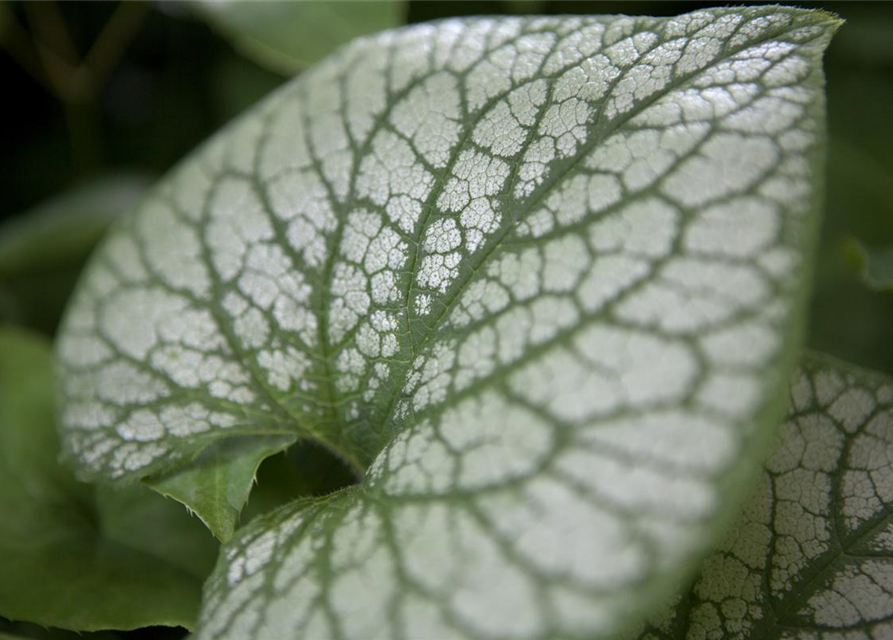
537 280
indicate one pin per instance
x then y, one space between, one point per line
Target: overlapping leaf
539 280
812 556
72 556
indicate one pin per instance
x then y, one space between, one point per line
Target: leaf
539 282
812 554
71 558
216 484
289 36
847 318
137 517
42 250
874 263
237 83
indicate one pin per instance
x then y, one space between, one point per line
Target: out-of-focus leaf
135 516
874 263
42 250
238 83
866 41
289 36
67 226
74 558
848 319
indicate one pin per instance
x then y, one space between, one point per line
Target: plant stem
49 54
112 41
17 41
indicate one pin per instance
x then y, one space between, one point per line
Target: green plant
539 285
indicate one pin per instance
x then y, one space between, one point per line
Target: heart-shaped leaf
812 555
539 281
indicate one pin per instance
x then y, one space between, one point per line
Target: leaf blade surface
526 275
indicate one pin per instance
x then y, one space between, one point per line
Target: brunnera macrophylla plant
540 284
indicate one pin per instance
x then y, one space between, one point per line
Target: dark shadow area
305 470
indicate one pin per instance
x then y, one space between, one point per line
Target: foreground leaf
289 36
812 556
43 250
538 281
71 558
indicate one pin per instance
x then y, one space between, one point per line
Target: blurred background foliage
101 98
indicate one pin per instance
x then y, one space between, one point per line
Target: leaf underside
812 555
539 281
